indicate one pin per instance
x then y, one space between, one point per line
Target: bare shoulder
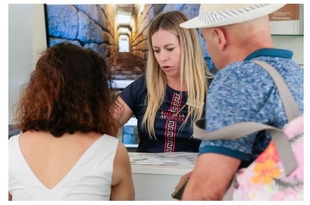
121 154
122 182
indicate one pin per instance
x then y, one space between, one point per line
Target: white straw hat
216 15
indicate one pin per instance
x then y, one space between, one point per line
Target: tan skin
51 158
122 184
210 179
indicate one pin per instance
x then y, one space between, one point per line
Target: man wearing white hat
236 34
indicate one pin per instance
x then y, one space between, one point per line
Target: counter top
155 175
176 163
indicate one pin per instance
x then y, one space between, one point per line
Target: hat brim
197 23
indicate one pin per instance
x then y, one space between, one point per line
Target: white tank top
89 179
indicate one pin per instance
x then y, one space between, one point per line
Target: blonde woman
171 94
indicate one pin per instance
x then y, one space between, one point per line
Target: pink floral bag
267 179
277 174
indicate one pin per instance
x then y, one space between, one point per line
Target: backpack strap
242 129
289 104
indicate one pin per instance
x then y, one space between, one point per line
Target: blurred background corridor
116 31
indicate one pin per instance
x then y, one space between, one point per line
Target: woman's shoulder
138 83
137 87
141 80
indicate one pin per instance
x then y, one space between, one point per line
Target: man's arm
211 177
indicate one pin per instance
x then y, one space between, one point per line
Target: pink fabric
264 179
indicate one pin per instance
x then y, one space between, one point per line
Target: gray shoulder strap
242 129
288 101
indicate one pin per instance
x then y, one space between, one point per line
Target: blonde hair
193 69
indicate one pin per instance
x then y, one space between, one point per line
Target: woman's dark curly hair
70 90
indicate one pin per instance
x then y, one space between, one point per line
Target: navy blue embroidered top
169 136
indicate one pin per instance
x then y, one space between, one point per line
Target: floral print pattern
265 179
266 172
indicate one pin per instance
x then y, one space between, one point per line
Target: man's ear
222 41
